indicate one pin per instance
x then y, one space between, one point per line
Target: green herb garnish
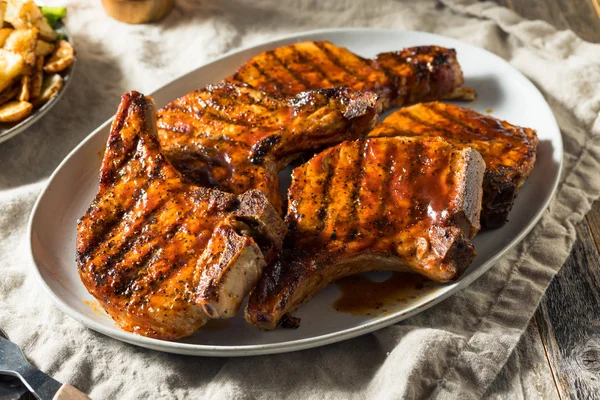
53 14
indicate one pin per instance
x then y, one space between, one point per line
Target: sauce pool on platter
362 295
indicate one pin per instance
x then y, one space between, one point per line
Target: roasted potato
31 57
23 42
12 66
15 111
2 10
51 86
4 33
61 59
23 14
24 93
37 78
43 48
9 93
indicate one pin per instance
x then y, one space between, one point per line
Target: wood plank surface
569 315
569 319
593 220
526 374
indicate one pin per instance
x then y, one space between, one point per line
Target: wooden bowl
137 11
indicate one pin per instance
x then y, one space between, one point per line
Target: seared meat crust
403 204
509 151
162 255
234 138
402 77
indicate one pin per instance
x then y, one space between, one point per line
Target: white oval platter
503 92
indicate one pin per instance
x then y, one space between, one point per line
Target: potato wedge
51 86
61 59
11 66
37 78
11 10
24 93
4 33
64 49
9 93
15 111
23 14
43 48
23 42
2 10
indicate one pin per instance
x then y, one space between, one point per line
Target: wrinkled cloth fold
453 350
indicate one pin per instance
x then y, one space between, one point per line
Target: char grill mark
307 64
107 177
233 109
323 212
122 204
141 230
226 113
509 151
182 235
388 173
149 254
274 83
134 255
402 181
339 207
444 121
397 198
213 138
339 74
263 132
453 119
262 148
124 285
133 211
357 182
281 80
329 165
142 243
374 197
417 169
128 233
230 121
484 127
334 60
363 74
298 83
407 76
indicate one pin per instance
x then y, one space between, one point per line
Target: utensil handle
68 392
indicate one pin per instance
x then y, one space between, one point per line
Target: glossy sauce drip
362 295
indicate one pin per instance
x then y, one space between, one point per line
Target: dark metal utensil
11 388
43 387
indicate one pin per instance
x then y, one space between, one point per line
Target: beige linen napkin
454 350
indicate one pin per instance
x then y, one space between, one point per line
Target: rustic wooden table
564 336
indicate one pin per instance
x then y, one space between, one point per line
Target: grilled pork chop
401 204
402 77
509 151
235 138
162 256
